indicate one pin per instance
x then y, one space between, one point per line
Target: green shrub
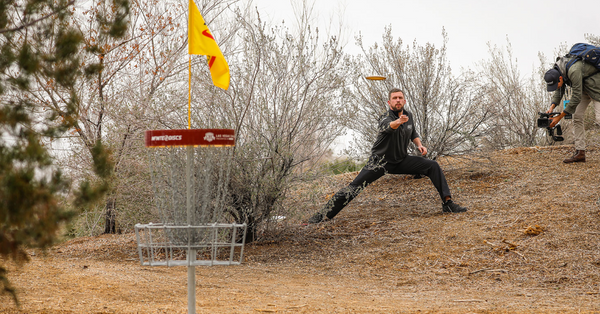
343 165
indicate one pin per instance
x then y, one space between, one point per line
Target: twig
511 245
296 306
523 256
489 270
490 243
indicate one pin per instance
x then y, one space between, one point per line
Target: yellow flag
201 42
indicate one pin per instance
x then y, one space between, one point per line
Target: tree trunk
110 226
250 233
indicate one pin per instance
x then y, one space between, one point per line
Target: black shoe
316 218
451 207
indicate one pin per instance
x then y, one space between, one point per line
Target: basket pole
191 254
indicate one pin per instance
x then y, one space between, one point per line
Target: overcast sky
532 26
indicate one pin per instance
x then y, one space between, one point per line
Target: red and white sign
190 137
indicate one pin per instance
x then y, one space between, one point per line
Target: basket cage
207 245
190 198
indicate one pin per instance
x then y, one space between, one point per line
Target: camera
544 122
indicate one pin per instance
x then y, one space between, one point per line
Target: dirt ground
530 243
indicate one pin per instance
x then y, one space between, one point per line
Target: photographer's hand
556 119
552 106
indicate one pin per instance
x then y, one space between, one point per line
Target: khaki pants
578 129
597 110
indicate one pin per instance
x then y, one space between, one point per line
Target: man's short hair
394 90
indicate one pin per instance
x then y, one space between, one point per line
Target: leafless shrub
284 102
512 99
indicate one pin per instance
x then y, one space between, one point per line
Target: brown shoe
579 156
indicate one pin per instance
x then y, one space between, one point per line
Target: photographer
584 80
390 155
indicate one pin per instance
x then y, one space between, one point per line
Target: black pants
375 170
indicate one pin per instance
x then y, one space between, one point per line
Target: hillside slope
530 242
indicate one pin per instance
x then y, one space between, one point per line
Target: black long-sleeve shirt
392 145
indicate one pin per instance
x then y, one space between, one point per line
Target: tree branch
2 31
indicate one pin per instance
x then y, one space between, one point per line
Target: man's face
397 101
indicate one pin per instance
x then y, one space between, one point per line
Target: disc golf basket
190 170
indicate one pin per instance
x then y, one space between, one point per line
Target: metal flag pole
191 254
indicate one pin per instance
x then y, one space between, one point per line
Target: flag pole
189 91
191 254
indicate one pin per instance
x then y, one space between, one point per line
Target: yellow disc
375 77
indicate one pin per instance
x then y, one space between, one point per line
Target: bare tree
513 100
448 115
284 102
129 86
593 39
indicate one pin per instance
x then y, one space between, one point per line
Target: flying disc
375 77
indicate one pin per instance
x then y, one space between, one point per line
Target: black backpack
585 52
